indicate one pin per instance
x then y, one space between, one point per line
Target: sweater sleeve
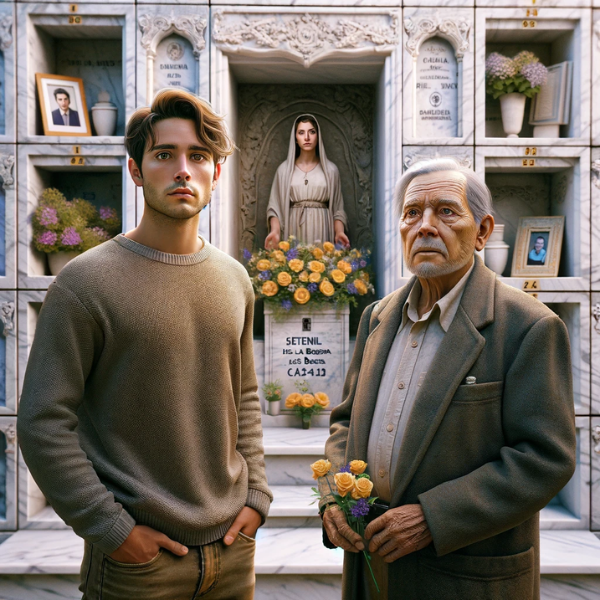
249 443
67 341
537 460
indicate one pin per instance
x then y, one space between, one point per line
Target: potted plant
513 80
63 229
305 404
272 392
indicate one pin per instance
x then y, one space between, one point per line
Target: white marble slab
595 75
8 430
595 355
283 441
595 216
8 182
595 477
36 53
455 27
8 298
9 88
35 163
293 501
503 27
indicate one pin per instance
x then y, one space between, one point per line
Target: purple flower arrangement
523 74
75 226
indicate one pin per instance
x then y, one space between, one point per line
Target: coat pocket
478 392
463 577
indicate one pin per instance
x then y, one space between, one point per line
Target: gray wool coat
481 459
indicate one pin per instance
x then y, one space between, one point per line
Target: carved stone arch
454 30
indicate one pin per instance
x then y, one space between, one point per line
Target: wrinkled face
306 136
179 174
539 244
63 102
437 227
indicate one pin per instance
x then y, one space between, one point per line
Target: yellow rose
317 253
308 401
326 288
263 264
314 277
338 276
344 266
303 276
361 287
270 288
284 246
320 468
364 276
316 267
284 279
328 247
344 482
279 256
301 295
362 488
358 466
322 399
293 400
296 265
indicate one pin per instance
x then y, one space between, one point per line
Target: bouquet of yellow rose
305 404
352 494
295 274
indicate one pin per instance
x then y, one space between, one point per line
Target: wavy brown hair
178 104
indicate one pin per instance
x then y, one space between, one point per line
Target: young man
140 418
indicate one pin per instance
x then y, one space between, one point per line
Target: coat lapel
457 353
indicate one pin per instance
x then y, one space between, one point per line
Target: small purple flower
49 216
354 264
101 232
362 264
286 304
264 275
352 289
247 254
312 287
536 73
291 288
48 238
70 237
499 67
345 469
292 253
360 509
107 213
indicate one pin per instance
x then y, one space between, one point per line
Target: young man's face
63 102
178 172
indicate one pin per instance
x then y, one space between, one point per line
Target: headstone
311 346
175 64
436 110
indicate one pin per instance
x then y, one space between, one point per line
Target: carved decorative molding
413 158
454 29
10 433
156 27
6 38
596 172
596 438
597 32
596 315
7 163
306 38
528 194
7 314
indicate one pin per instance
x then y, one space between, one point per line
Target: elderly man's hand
398 532
339 532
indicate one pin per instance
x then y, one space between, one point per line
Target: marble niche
8 94
8 473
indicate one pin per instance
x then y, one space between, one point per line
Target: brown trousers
211 572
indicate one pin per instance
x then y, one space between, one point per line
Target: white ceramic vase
57 260
496 250
273 408
104 115
513 111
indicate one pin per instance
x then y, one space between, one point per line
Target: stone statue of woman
306 196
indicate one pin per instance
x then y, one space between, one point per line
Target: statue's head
445 215
307 134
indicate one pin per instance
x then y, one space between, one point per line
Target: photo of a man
64 115
537 254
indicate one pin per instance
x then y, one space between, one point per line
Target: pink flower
536 73
49 216
107 213
70 237
102 233
48 238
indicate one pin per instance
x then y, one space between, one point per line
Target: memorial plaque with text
175 65
309 346
436 110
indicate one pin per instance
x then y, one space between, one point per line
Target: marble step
293 507
291 564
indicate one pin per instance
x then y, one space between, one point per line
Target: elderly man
459 396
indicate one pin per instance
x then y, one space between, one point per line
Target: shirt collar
447 305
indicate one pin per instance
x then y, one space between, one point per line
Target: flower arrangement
524 73
352 494
295 274
272 391
305 404
76 226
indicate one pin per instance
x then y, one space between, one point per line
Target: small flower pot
306 421
273 407
57 260
513 111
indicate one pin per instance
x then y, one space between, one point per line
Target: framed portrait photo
538 247
62 102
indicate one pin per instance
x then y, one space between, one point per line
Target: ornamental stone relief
266 115
7 163
6 32
596 173
306 38
156 27
413 158
455 30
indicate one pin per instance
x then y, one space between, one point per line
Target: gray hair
478 194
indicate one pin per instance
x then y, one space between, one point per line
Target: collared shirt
407 363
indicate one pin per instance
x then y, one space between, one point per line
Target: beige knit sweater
140 399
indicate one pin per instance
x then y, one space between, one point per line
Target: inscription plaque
175 64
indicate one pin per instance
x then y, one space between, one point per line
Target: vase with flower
305 404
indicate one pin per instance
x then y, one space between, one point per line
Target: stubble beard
427 270
157 202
